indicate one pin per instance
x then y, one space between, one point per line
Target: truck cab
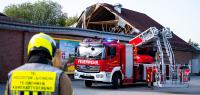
97 61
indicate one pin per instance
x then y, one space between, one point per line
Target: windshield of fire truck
96 52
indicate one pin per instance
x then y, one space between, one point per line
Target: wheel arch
116 70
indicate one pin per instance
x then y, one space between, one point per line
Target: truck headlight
99 75
108 75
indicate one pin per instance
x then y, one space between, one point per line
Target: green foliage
193 43
41 12
71 20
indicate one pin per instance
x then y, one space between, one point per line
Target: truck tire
116 81
88 83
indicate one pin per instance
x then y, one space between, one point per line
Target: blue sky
181 16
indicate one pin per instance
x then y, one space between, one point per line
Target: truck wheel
116 81
88 83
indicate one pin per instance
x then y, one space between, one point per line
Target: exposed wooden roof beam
105 22
119 17
95 9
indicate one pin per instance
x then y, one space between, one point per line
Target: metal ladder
147 36
166 34
167 58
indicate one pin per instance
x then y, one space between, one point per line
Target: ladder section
169 55
165 58
147 36
168 71
159 64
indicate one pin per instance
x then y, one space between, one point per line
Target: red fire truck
147 58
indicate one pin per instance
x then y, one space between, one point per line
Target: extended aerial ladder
168 72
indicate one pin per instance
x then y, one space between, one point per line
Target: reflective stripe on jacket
36 67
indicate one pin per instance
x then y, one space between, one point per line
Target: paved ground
137 89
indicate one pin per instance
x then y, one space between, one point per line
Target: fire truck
147 58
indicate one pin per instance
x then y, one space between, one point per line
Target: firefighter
38 76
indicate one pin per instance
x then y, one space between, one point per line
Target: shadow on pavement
109 86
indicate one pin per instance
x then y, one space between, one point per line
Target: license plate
87 74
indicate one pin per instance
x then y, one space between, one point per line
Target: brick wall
11 51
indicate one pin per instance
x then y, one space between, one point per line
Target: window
111 52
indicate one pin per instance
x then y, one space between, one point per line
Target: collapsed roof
115 19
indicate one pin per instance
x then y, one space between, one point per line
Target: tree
193 43
41 12
71 20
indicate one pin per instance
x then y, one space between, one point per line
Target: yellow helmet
41 42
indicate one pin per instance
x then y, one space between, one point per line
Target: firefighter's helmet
42 43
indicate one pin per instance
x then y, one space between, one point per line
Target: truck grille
87 68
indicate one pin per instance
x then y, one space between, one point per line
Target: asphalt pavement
135 89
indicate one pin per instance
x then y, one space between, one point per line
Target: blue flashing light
109 40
